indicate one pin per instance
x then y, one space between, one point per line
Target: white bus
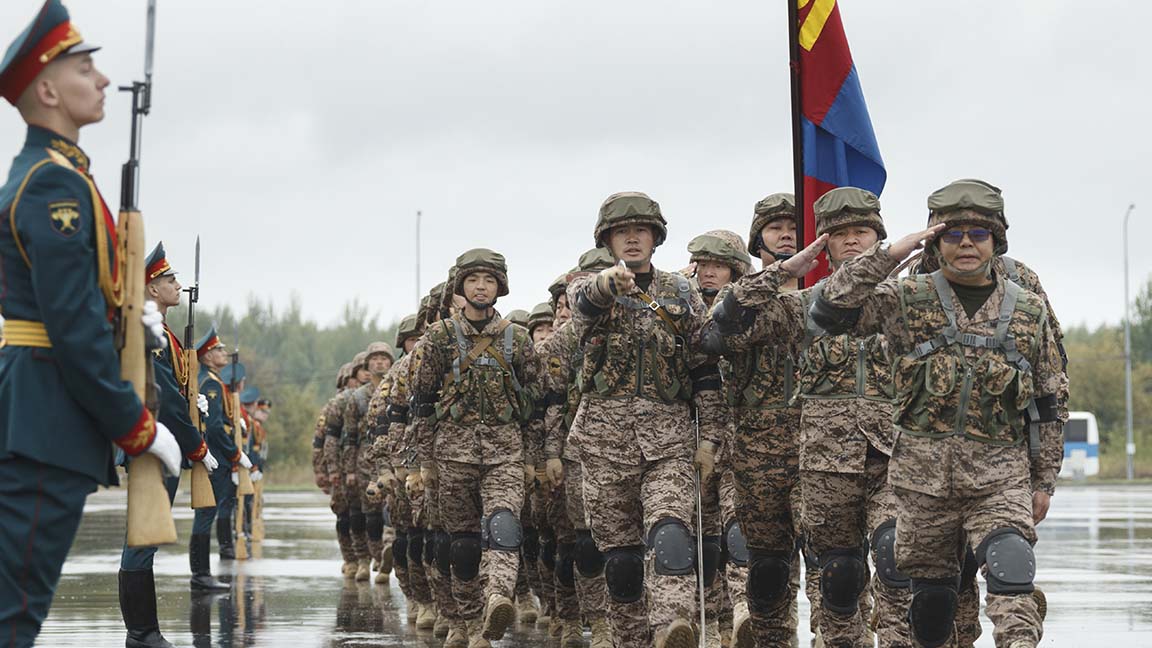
1081 446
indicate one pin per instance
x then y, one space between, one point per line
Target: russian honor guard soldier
62 400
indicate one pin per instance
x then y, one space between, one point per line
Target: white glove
257 476
245 461
209 462
153 321
235 477
243 425
166 449
202 404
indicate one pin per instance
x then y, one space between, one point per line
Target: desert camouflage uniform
334 427
355 414
971 477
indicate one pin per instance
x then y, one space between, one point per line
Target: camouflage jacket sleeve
557 356
1030 280
553 432
318 436
427 379
533 382
1050 382
334 419
754 311
350 436
863 284
374 429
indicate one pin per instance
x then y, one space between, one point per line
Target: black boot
224 538
138 607
201 568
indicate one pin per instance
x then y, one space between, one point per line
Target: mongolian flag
837 142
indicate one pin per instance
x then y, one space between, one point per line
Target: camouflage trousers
623 502
346 502
544 564
413 580
469 494
591 593
840 512
528 578
555 512
439 580
931 533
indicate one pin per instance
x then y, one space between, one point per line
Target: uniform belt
25 333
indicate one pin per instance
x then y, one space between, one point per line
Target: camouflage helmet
595 260
379 347
627 208
774 207
409 328
481 260
722 246
849 206
973 202
359 361
541 314
559 285
343 374
518 316
444 307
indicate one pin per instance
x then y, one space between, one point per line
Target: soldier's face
967 256
379 364
713 275
778 236
165 291
363 376
541 332
480 288
352 383
217 358
410 344
73 86
849 241
563 313
632 244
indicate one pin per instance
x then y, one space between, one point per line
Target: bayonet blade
197 276
150 41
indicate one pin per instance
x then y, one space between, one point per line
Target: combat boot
224 540
498 615
742 627
475 630
385 565
1041 602
413 611
544 620
712 635
138 607
457 635
350 564
526 611
364 569
201 567
442 626
678 634
571 634
427 618
601 634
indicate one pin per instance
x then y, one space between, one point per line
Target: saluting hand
900 250
805 260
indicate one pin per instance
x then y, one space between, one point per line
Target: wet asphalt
1094 561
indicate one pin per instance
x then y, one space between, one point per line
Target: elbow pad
586 307
317 443
712 341
1047 410
425 405
731 317
833 319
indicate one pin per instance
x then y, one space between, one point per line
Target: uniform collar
39 137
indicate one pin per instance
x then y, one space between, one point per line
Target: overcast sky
298 139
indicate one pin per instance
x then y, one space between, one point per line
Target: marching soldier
320 434
136 579
62 281
845 439
378 360
475 368
561 357
634 429
978 377
218 424
334 457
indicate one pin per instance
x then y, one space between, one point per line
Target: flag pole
797 133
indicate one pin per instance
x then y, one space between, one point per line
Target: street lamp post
418 216
1130 445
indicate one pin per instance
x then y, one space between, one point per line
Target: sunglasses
976 235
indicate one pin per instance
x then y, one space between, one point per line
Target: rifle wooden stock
258 512
150 520
245 479
202 495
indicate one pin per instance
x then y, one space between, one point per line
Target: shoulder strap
1010 268
658 308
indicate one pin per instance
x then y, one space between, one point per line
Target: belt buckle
654 306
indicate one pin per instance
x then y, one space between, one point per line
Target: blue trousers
140 558
40 510
225 492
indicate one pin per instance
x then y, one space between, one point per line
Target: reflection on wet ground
1095 564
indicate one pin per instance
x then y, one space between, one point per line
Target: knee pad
502 531
969 568
430 549
624 574
566 564
589 559
673 547
356 522
466 550
342 524
768 575
374 525
884 555
713 559
735 545
443 549
843 577
548 549
932 612
400 550
530 550
1010 562
416 547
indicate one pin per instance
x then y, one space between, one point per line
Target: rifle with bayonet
149 509
202 495
244 481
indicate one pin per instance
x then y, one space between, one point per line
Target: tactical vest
483 387
941 391
759 382
620 363
842 366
